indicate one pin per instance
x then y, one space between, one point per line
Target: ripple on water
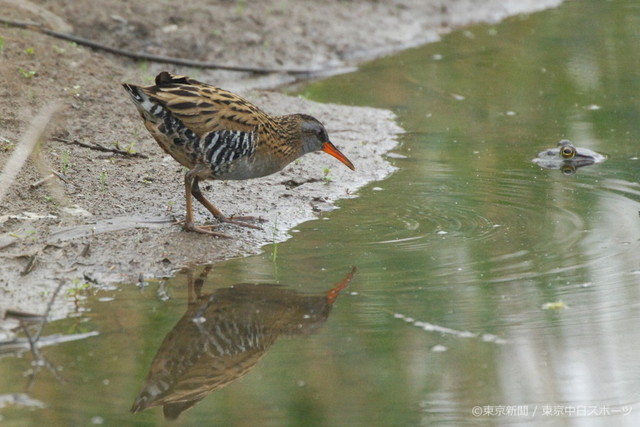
528 226
479 211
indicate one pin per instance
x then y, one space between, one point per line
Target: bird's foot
243 221
204 229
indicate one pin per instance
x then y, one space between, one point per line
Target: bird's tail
150 110
136 93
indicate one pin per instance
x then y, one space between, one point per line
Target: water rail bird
219 135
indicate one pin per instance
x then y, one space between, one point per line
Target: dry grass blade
26 146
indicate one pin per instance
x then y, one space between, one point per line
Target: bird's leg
194 285
189 180
195 190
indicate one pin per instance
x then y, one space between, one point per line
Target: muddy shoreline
112 217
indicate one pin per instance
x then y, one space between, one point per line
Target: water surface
489 291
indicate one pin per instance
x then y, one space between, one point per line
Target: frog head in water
567 157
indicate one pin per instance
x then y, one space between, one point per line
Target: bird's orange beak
331 149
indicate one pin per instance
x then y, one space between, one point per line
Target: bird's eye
567 152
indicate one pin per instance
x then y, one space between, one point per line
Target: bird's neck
286 125
285 138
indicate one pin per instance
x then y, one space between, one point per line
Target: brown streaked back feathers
204 108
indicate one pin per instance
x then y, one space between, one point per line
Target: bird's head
314 138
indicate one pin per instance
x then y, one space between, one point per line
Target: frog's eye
567 152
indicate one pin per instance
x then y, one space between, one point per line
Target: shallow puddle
489 290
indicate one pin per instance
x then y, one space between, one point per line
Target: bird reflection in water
222 336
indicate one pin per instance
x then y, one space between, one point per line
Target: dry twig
39 182
99 147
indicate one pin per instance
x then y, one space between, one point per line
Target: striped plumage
219 135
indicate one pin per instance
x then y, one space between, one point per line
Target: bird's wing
204 108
